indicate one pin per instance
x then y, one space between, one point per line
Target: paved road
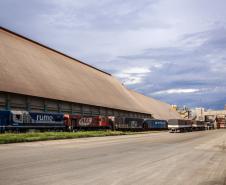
160 158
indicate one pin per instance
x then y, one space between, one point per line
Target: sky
172 50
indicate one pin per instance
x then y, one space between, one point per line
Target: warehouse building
35 77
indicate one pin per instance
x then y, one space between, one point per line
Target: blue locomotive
23 120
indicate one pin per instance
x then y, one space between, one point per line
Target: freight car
155 124
126 123
24 120
78 122
180 125
94 122
74 122
198 125
221 122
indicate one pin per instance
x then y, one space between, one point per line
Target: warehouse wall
13 101
30 68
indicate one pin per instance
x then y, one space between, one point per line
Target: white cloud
133 80
129 79
133 75
136 70
177 91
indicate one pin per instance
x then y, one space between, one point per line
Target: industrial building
217 117
184 111
35 77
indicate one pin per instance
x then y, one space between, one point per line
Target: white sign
85 121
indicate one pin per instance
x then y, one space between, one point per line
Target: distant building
217 117
184 112
199 112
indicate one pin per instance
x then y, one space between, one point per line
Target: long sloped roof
27 67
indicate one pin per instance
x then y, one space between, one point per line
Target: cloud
190 74
136 70
177 91
133 75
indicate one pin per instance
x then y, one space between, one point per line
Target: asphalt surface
160 158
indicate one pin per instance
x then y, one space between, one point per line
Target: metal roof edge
54 50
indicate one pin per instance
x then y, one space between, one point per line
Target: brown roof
27 67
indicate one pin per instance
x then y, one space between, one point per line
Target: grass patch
43 136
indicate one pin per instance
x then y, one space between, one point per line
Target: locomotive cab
4 120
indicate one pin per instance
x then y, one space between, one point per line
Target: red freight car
221 122
94 122
74 122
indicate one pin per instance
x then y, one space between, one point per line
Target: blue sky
173 50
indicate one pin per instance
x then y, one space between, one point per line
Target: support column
7 101
59 106
28 107
45 106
